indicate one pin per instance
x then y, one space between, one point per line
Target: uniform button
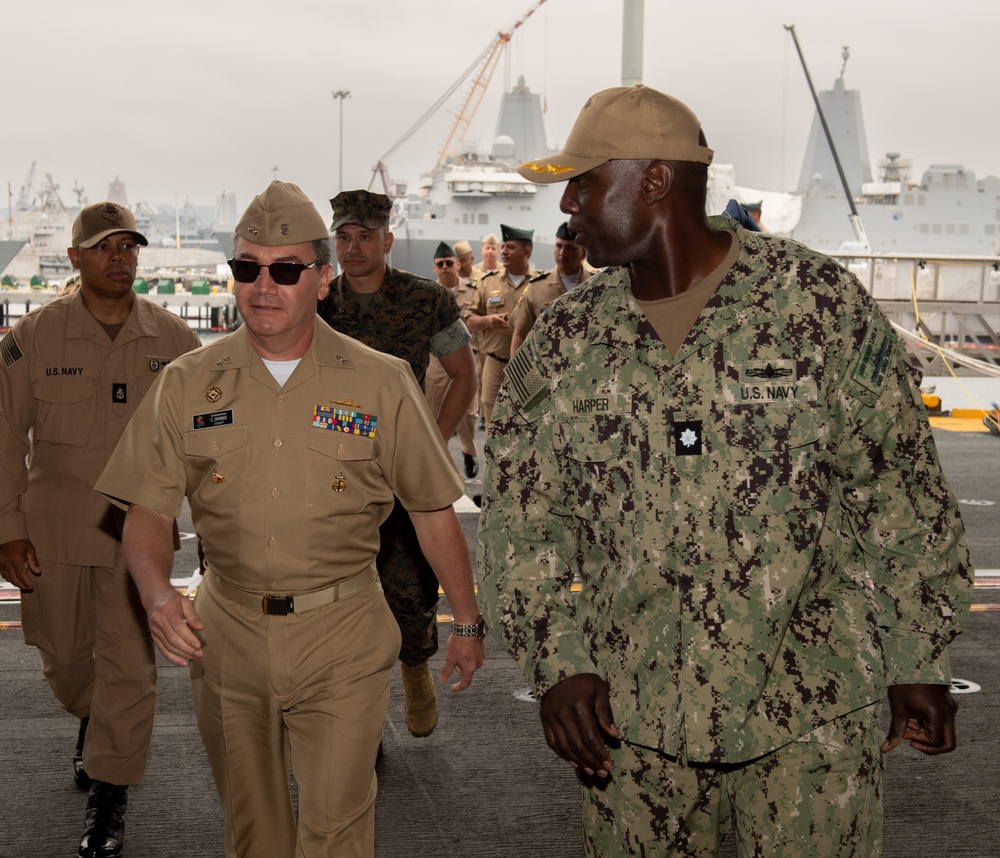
277 442
272 541
275 493
273 585
281 397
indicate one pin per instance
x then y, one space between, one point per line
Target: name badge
216 418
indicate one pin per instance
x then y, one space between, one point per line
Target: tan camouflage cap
623 123
96 222
362 208
282 215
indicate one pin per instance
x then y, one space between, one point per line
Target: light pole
341 94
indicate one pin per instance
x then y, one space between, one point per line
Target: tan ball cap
623 123
280 216
96 222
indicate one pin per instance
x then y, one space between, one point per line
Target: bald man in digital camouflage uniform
721 436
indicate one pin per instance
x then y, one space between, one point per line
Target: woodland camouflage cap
363 208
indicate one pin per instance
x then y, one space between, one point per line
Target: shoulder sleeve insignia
876 356
527 387
10 350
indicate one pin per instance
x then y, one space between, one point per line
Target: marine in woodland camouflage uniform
409 317
766 543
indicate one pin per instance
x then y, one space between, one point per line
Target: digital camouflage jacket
760 524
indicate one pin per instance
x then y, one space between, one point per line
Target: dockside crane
486 64
24 194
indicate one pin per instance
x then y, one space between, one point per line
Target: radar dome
503 148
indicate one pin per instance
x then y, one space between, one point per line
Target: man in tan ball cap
287 438
72 374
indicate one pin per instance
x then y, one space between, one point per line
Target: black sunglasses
282 273
444 263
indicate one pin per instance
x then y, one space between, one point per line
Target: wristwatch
470 630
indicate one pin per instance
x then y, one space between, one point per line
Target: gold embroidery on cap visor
535 167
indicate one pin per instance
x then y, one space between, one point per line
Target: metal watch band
470 630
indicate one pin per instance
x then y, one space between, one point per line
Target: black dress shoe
80 777
471 465
104 823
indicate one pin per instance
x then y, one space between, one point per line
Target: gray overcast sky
185 99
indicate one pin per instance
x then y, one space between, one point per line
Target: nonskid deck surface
484 783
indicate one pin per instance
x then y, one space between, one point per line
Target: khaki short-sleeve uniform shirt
496 294
67 391
287 484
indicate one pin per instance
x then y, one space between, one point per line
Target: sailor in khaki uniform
73 372
497 295
286 438
571 270
447 269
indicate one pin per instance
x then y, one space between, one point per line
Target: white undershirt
281 369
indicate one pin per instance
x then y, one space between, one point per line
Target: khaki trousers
435 387
492 379
91 632
307 690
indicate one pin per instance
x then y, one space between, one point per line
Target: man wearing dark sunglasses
411 318
291 443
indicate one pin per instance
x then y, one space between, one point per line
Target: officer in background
465 257
571 270
73 373
720 435
412 318
290 441
497 293
447 268
490 251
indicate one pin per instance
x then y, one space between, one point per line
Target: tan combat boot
421 705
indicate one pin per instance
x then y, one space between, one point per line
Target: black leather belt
497 357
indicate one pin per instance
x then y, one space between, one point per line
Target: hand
172 622
464 654
575 712
924 715
498 320
17 559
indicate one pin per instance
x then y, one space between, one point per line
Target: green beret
362 208
510 233
281 216
444 250
564 232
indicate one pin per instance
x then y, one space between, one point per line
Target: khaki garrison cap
462 247
282 215
96 222
362 208
623 124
